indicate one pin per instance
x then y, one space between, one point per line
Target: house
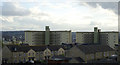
21 53
90 52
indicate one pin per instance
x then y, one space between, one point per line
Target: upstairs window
32 53
24 54
104 54
29 54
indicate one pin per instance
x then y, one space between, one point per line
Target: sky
59 15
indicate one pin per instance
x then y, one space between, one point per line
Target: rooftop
88 49
22 48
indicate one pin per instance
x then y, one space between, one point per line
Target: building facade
118 59
17 53
90 52
97 37
48 37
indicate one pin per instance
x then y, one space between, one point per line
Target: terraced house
90 52
19 53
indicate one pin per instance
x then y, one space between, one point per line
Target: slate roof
87 49
56 47
16 48
60 57
78 59
19 48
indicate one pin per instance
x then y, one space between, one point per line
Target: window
45 52
92 56
114 41
107 53
29 54
52 52
114 36
62 52
24 60
15 55
32 53
19 54
24 54
104 54
87 57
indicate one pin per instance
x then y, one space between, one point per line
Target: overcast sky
63 15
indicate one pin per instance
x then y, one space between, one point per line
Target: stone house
90 52
18 53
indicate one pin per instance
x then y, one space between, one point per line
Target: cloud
13 9
104 18
60 0
67 17
119 16
95 23
106 5
98 0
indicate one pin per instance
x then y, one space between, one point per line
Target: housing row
64 53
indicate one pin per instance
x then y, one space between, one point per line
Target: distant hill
19 35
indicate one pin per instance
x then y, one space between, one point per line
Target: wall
35 38
113 39
56 37
6 53
75 52
89 57
109 38
98 55
84 37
